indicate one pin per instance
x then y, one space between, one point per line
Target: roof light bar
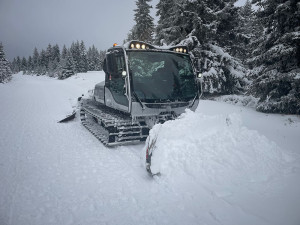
179 49
140 45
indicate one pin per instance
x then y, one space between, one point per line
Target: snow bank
239 100
85 81
81 84
215 149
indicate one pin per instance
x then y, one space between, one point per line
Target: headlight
140 45
179 49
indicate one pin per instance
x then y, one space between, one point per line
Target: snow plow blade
68 117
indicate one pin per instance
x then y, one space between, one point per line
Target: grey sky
25 24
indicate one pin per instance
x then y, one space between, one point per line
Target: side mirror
124 74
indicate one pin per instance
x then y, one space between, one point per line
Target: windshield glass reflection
160 76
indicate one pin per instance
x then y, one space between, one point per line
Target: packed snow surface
223 164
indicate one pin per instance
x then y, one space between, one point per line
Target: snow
224 148
223 164
219 51
240 100
211 72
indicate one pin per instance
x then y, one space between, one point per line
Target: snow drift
216 149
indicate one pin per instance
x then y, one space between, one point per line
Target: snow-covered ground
223 164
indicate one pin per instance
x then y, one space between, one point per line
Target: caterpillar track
110 126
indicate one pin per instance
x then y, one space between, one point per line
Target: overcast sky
25 24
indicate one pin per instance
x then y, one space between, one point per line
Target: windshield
161 76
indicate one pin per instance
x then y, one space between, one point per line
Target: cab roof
140 45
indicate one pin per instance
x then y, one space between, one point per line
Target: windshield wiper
138 99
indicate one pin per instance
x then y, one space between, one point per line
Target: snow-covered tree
144 27
83 64
64 52
24 65
67 66
93 58
222 73
55 56
276 59
35 61
206 27
18 63
75 51
55 64
42 68
14 66
29 65
101 59
5 70
170 28
245 32
48 55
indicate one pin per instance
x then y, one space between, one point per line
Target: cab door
114 81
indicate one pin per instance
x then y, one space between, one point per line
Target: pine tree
55 54
18 63
53 68
5 70
75 52
24 65
35 61
205 27
90 59
163 11
29 65
67 66
64 52
14 66
174 23
93 58
83 65
244 33
102 55
144 27
276 60
48 55
43 63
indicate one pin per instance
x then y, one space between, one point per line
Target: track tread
110 126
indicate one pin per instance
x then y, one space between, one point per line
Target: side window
120 63
104 66
115 82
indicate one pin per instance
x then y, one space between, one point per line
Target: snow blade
151 142
68 117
